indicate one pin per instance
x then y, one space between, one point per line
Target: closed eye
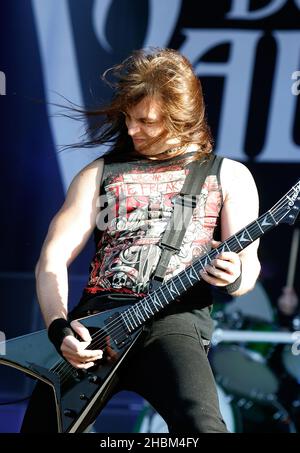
149 123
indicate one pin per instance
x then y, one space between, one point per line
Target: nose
132 127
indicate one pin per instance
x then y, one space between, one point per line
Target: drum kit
257 377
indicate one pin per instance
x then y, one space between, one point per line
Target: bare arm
68 233
240 208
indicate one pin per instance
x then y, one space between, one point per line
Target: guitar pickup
119 332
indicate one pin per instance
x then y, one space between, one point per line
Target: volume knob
95 379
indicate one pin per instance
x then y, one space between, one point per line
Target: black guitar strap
184 206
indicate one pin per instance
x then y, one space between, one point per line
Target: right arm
68 233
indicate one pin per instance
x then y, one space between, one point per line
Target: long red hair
163 74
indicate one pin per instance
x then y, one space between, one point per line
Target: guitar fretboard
161 297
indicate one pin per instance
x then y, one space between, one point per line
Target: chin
141 150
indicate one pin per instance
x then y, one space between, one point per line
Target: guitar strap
184 206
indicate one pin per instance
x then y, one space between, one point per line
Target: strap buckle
169 247
187 200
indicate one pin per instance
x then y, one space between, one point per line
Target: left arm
240 207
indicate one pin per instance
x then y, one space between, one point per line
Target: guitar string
66 365
65 369
63 364
216 252
115 325
105 335
65 373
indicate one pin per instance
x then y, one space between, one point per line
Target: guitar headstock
287 209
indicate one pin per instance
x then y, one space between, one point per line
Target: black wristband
234 286
57 331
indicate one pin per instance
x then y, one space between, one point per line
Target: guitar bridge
118 333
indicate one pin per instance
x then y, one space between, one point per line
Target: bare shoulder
85 185
94 168
88 174
96 164
236 176
231 168
240 199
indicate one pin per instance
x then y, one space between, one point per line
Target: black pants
170 370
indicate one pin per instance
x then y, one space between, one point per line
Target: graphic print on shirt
140 204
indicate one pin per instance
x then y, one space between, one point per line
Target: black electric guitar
78 393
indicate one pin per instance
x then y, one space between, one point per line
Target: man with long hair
156 127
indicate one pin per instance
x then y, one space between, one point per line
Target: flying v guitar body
77 393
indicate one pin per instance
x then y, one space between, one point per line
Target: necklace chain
175 149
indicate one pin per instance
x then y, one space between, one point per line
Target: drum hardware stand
246 403
221 335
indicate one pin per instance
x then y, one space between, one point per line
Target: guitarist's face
145 125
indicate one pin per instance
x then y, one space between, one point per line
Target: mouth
138 142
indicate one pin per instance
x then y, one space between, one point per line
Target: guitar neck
167 292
